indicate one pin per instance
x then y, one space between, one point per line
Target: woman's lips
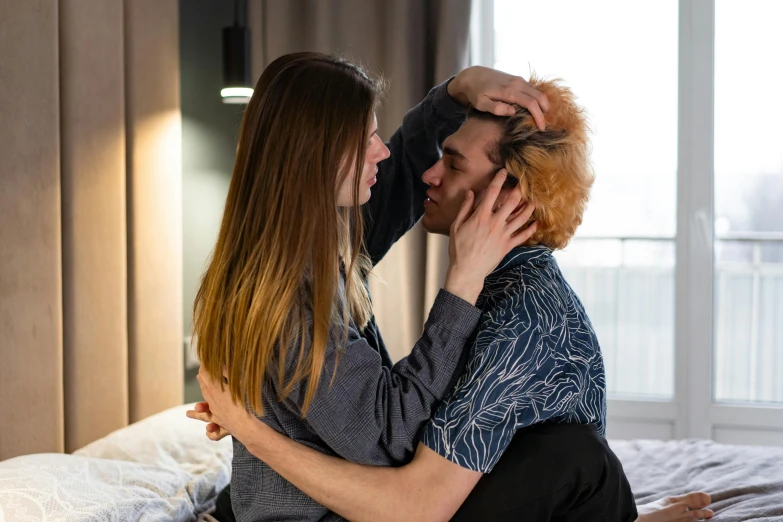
374 179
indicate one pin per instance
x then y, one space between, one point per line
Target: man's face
465 165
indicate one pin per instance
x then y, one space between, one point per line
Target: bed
745 482
164 468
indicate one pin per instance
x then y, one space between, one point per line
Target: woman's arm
369 413
397 202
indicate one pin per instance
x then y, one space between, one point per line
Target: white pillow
161 468
171 440
53 486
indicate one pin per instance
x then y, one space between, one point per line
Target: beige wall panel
95 325
154 171
31 388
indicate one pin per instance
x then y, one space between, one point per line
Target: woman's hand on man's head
489 90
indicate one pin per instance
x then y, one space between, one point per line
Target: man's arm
430 488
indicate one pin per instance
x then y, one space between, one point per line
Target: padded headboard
90 219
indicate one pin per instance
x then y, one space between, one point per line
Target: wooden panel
93 213
31 388
154 199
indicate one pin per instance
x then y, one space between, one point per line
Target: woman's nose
385 153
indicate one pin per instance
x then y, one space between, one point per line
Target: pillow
161 468
53 486
171 440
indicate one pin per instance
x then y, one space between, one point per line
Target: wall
209 132
90 219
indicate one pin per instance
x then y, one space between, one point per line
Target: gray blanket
745 482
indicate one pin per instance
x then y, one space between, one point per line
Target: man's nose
431 176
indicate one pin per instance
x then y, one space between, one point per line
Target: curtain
90 219
414 44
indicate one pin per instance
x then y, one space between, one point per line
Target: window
621 263
749 202
679 261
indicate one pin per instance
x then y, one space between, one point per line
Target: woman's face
375 152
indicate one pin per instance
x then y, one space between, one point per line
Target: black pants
553 472
549 473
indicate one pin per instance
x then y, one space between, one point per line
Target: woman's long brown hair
272 292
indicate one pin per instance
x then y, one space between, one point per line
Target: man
533 389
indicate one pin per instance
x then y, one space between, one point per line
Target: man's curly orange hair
552 167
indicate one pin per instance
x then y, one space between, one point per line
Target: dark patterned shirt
535 359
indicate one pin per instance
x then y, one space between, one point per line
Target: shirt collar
524 255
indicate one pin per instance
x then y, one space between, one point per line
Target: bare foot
676 509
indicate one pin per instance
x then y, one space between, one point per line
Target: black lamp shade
236 65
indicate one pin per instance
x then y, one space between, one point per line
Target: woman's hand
201 412
223 415
493 91
478 242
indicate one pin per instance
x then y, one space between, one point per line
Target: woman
284 307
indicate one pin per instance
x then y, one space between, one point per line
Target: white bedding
162 468
165 468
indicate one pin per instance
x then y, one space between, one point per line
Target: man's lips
430 199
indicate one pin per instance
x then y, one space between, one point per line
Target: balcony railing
627 287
